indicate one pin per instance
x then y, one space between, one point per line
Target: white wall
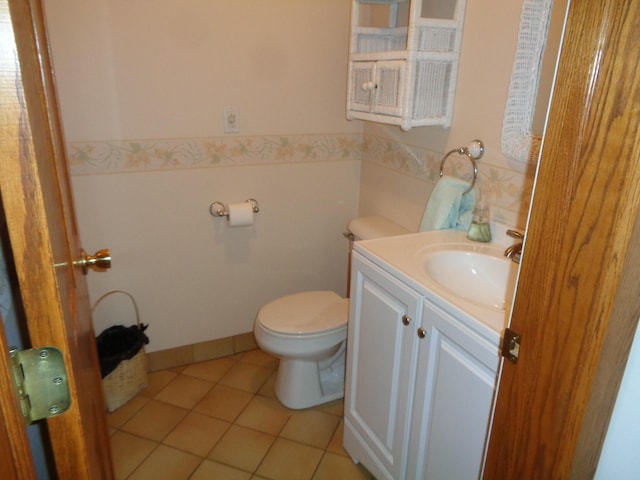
136 75
165 69
195 278
619 458
487 53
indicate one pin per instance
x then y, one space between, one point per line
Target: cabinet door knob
422 332
368 86
406 320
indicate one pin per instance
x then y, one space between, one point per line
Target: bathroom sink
483 277
452 271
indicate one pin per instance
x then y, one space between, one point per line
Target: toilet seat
305 313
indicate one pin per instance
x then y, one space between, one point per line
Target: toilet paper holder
217 209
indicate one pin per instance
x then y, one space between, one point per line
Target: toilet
307 331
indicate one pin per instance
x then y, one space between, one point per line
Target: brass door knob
99 261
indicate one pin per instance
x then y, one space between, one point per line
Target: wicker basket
130 376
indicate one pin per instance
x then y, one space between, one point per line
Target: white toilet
307 331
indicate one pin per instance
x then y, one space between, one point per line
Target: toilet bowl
307 331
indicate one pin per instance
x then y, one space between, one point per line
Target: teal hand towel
447 207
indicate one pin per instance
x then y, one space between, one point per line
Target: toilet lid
307 312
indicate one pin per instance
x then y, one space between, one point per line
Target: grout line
239 358
144 459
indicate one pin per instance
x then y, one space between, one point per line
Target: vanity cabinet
419 384
454 392
403 61
381 363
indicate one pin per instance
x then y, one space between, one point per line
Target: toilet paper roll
240 214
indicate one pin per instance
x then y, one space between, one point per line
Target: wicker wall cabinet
403 61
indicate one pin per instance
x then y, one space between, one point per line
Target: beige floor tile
263 359
128 452
184 415
246 376
120 416
336 407
289 460
166 463
157 381
334 467
335 445
197 434
242 448
211 370
268 389
224 403
209 470
155 420
311 427
265 414
184 391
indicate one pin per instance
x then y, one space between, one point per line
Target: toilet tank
374 226
368 228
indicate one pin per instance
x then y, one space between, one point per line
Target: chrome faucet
514 251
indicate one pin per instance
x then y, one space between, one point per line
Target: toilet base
307 383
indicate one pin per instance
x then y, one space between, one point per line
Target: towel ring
472 152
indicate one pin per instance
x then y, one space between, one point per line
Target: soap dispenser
480 230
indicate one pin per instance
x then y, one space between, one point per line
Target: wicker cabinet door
377 88
389 91
361 86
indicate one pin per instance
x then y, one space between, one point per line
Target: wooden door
37 202
15 455
578 298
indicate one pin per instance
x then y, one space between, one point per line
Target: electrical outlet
231 120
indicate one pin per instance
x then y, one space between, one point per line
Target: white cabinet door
361 86
382 347
389 93
455 386
377 87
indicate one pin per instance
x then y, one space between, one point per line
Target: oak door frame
578 299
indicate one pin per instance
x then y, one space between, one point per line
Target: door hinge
41 382
511 345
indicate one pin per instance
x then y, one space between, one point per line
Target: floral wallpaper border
123 156
508 189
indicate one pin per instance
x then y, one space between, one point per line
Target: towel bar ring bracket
478 147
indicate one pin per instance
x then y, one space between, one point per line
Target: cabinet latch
41 382
511 345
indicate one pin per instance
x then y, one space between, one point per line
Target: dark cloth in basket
119 343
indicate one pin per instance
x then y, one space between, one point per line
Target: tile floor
220 420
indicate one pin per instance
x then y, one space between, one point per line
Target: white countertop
401 257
